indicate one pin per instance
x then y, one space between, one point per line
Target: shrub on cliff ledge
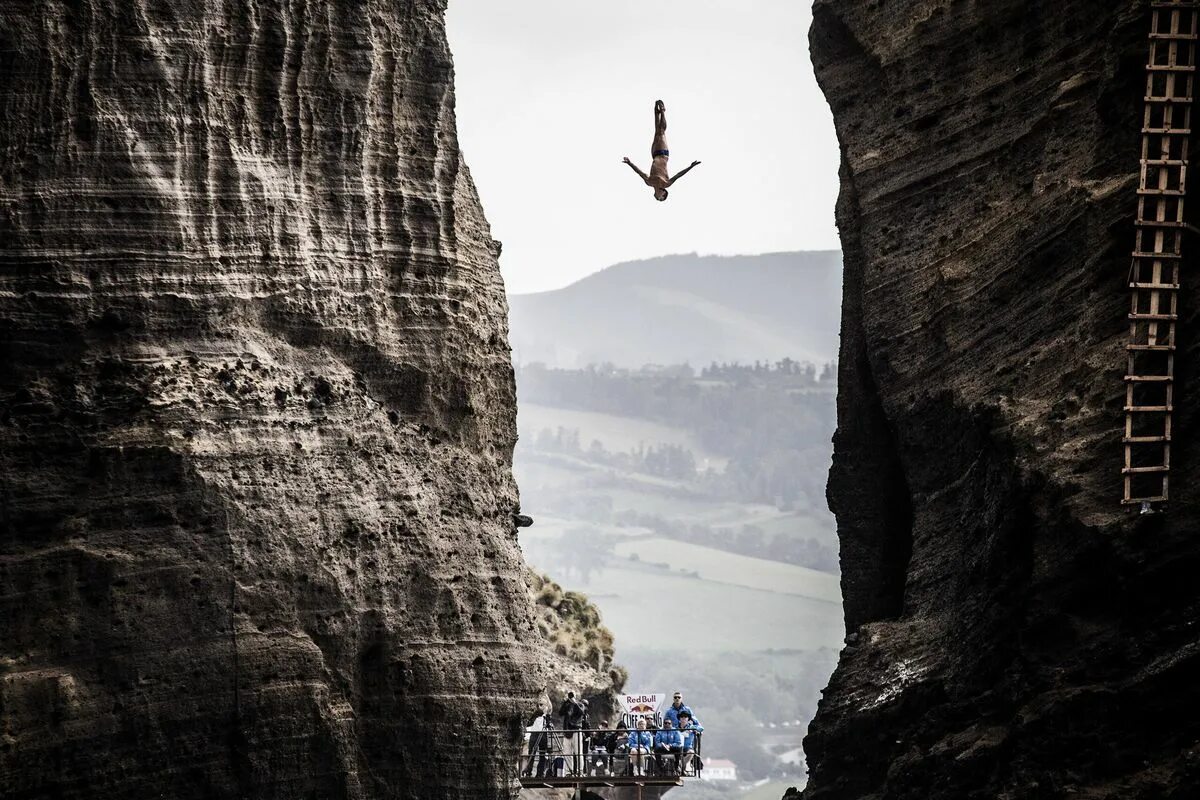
571 624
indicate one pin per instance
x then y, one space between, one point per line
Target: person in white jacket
538 736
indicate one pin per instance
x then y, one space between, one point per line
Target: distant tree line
747 540
773 422
661 460
784 367
669 461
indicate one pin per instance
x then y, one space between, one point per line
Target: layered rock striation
256 411
1013 632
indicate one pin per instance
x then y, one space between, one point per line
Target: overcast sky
553 93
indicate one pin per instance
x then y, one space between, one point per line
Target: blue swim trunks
657 153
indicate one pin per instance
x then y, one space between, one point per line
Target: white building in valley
719 769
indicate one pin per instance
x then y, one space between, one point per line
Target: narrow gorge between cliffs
258 403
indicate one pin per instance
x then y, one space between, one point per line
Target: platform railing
598 753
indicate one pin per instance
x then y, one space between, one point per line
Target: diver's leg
660 128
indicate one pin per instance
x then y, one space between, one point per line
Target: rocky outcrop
578 651
256 411
1013 632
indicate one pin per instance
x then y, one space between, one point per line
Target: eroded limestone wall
1013 632
256 410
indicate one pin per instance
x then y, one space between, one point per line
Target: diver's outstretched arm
634 167
683 172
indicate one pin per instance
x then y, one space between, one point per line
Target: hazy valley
685 494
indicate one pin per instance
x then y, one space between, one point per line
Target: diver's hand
695 163
627 161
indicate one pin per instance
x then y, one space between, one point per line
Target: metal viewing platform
577 759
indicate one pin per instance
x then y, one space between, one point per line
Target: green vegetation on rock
572 624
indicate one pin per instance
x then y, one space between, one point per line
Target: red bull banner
640 703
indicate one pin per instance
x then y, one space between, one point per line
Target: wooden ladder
1154 274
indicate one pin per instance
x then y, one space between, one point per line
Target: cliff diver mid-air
657 179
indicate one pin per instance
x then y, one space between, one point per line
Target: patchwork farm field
722 567
650 601
616 433
643 494
652 609
591 541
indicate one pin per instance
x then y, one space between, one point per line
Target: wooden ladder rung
1137 501
1153 275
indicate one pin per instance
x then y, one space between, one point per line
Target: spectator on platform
540 743
689 727
617 739
640 744
617 743
675 709
668 741
573 713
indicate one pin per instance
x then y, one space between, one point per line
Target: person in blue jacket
668 741
675 709
688 728
640 744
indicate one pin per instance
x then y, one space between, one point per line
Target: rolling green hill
686 309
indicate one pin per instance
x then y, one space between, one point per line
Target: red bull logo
644 703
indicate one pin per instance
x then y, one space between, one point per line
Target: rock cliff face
256 410
1014 633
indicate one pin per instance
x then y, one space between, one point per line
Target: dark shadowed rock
1019 634
256 411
